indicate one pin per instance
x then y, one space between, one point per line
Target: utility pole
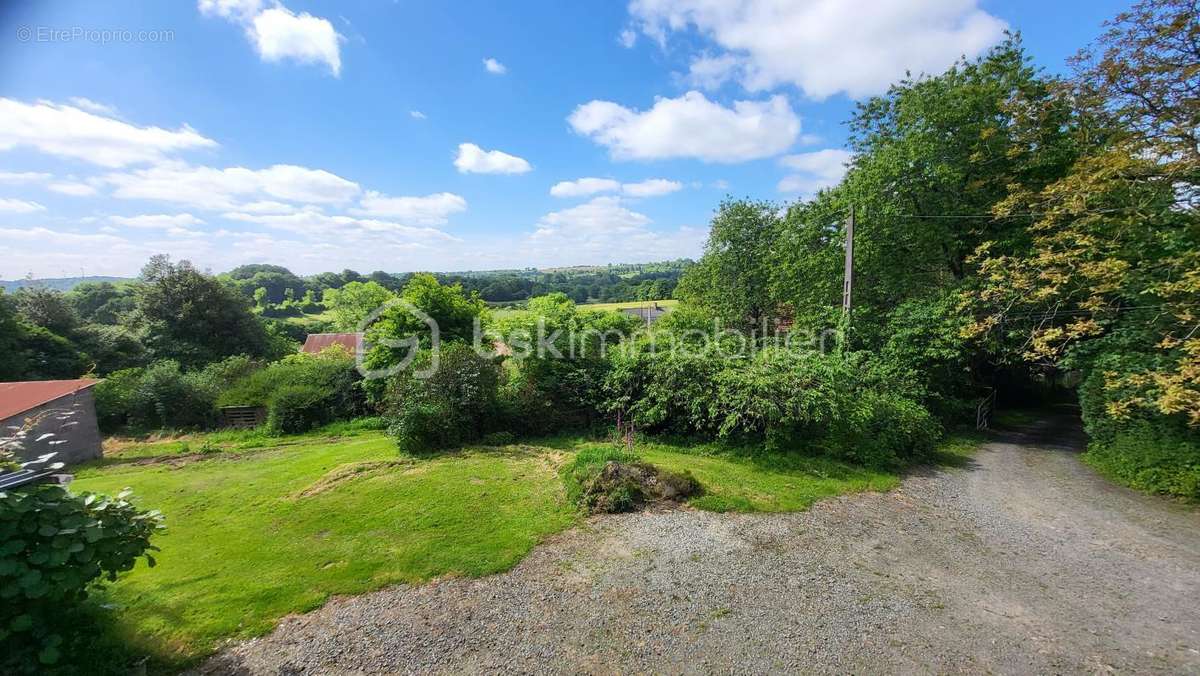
848 278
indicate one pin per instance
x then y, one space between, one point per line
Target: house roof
317 342
20 397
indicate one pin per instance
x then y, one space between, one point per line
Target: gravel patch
1023 561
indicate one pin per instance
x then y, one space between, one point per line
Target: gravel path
1024 561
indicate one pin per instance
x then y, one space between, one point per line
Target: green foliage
845 406
55 544
352 303
293 409
1156 458
558 363
586 465
301 391
449 408
731 280
163 395
194 318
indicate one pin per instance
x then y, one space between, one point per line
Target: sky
447 136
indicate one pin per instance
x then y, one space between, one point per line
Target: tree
47 308
193 318
1113 271
731 278
354 302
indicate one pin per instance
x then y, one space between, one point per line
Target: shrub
294 409
1158 458
447 409
331 375
162 395
54 545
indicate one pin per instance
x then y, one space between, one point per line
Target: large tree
1112 276
194 318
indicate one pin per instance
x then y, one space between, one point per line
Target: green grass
268 526
627 304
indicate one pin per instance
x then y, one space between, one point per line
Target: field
260 527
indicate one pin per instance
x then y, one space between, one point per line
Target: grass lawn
628 304
261 527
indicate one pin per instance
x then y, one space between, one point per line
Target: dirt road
1023 561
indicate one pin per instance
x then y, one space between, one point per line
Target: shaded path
1023 561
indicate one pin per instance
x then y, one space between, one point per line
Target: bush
54 545
287 386
448 409
844 406
162 395
294 409
1157 458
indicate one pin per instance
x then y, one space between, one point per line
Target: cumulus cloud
92 106
584 187
73 188
315 222
432 209
156 221
815 170
67 131
690 126
822 46
416 115
279 34
627 38
604 229
210 188
15 206
652 187
472 159
494 67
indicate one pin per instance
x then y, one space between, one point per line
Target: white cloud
604 230
432 209
312 221
817 170
710 72
826 46
416 115
156 221
209 188
584 187
627 38
92 106
652 187
73 188
14 206
475 160
68 131
494 67
280 34
231 9
690 126
12 178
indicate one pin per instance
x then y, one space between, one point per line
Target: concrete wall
71 418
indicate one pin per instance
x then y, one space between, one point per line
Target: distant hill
57 283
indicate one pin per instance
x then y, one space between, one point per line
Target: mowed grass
263 527
628 304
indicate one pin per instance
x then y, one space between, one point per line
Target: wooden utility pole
848 278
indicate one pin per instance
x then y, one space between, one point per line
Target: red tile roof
316 342
20 397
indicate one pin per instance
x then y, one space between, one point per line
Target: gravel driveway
1024 561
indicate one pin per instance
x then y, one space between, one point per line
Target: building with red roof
51 416
315 343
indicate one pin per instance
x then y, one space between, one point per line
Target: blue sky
410 135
